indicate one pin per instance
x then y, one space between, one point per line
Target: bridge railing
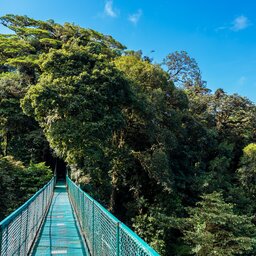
19 229
104 233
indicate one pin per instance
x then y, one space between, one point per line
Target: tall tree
18 183
78 101
214 229
247 170
184 71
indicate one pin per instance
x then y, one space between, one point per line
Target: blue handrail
104 233
18 231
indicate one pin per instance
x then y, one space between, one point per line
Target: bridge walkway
60 234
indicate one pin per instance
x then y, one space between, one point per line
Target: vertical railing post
67 184
26 232
43 204
93 245
66 171
117 238
1 237
55 170
7 237
21 230
82 210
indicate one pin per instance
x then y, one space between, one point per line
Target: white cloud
108 9
134 18
240 23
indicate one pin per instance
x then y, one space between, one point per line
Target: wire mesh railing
18 231
105 234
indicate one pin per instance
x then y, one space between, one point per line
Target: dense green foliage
214 229
18 183
167 160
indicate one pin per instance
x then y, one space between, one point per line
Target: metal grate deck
60 234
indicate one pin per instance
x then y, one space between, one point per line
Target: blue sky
220 35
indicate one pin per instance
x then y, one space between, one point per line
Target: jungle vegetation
170 158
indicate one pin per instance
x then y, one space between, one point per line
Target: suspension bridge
61 219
